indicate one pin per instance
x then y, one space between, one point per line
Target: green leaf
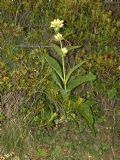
56 79
112 93
73 69
65 94
73 83
57 48
41 153
73 47
53 116
90 103
86 113
55 65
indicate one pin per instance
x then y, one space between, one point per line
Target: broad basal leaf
73 83
55 65
86 113
73 69
56 79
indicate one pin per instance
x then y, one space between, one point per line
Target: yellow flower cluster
57 24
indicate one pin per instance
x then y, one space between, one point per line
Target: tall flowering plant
64 78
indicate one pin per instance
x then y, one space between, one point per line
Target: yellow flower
57 24
58 37
64 51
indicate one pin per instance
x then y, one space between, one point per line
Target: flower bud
58 37
64 51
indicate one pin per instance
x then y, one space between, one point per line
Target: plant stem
64 77
63 67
